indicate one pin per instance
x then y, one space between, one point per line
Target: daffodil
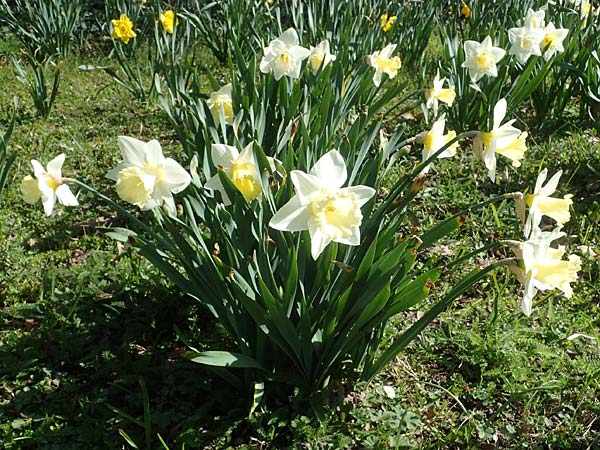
542 204
525 42
146 178
123 28
465 11
553 40
515 151
322 206
481 58
383 62
435 139
439 93
168 21
534 19
240 168
387 22
221 103
500 137
284 56
320 56
47 185
543 268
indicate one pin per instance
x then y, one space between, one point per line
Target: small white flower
383 62
525 42
284 56
481 58
48 185
220 102
146 178
240 167
389 391
320 56
435 139
534 19
322 206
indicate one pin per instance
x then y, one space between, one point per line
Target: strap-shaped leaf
226 359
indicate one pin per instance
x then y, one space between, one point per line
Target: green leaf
226 359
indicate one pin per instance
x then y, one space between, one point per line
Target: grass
91 343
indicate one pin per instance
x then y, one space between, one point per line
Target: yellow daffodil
284 56
435 139
383 62
465 11
220 102
240 167
168 21
146 178
47 185
542 204
501 137
543 267
322 206
515 151
387 22
481 58
320 56
439 93
123 28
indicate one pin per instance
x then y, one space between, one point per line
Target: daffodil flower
500 137
240 167
123 28
284 56
47 185
543 267
320 56
387 22
439 94
435 139
542 204
146 178
221 103
534 19
553 40
322 206
383 62
481 58
525 42
168 21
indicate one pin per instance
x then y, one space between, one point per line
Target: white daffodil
553 40
439 93
481 58
525 42
534 19
220 103
48 185
501 139
541 204
284 56
322 206
146 178
240 167
383 62
435 139
543 267
320 56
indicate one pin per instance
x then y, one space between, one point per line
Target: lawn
96 342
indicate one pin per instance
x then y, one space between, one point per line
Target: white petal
353 239
133 150
551 185
540 181
289 37
363 193
38 169
174 176
499 113
223 155
48 200
55 166
247 155
318 240
291 217
331 170
65 196
154 154
306 185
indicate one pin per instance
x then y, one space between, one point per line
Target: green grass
89 341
